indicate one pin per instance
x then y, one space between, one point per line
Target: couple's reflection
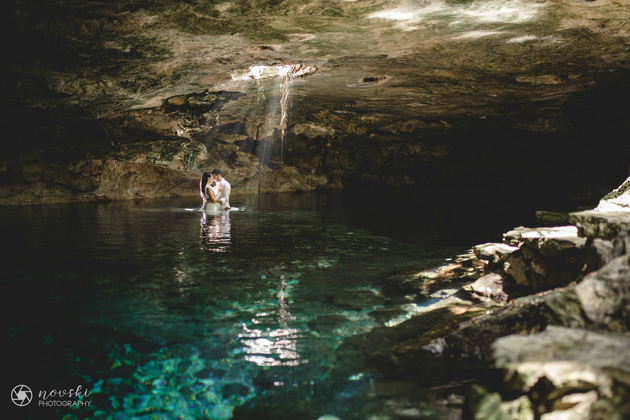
215 230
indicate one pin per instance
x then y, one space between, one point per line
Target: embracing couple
215 190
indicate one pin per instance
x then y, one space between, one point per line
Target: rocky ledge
542 331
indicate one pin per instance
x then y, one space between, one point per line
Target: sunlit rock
604 225
616 200
313 130
493 252
604 296
490 286
547 257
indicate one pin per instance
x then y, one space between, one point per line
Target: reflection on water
155 326
215 230
262 345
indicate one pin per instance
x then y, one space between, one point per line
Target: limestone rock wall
375 97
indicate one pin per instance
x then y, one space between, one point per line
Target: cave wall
135 99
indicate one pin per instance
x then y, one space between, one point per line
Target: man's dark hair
216 172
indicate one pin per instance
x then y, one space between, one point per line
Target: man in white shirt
225 187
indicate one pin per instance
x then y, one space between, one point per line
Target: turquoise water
162 311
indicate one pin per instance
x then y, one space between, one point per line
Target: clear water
162 311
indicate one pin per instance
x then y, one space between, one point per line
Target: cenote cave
430 209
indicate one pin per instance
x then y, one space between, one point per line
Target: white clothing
215 190
207 203
212 209
226 189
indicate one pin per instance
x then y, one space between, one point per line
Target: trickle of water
284 103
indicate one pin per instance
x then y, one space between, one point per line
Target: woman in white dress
210 192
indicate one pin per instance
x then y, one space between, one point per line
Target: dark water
161 311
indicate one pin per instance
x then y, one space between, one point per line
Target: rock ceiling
374 68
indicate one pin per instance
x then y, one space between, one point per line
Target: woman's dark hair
202 184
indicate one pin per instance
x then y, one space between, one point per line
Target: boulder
609 234
565 372
603 225
493 253
604 296
489 286
547 257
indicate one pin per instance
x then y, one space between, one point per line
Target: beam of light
284 102
284 74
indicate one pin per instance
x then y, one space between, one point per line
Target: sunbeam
276 103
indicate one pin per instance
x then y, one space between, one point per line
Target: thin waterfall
284 75
285 86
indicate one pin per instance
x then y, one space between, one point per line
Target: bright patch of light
522 39
401 13
261 346
269 72
479 12
408 15
495 12
439 299
529 38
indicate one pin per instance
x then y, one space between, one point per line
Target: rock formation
549 339
135 98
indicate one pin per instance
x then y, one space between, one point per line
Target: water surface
164 311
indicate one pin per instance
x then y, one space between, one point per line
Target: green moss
192 152
169 150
